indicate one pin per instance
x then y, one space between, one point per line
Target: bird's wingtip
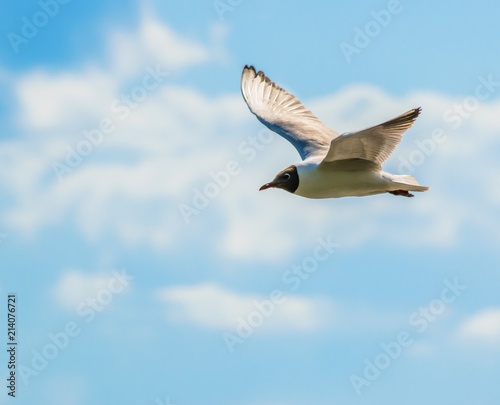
248 67
411 114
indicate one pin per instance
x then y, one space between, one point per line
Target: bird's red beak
267 185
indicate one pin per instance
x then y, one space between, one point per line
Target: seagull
332 165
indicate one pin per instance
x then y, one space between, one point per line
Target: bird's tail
406 182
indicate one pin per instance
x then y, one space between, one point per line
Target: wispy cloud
76 286
156 42
482 327
62 100
216 307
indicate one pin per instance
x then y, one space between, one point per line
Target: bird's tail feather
408 183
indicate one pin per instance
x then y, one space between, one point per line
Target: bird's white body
318 182
323 181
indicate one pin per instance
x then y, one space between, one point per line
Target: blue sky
118 116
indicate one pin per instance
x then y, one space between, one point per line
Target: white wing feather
284 114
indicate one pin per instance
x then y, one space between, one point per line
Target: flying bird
332 165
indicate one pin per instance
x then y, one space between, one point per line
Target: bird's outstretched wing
284 114
374 144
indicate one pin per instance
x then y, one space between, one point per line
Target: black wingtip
408 117
413 114
256 73
249 67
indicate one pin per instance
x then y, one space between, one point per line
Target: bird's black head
287 179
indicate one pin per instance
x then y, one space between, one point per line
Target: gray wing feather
374 144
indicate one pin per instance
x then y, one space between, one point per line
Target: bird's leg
401 192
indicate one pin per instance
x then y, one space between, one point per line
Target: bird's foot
404 193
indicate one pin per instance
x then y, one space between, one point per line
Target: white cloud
62 106
483 326
212 306
162 137
106 194
137 200
153 42
56 100
76 286
130 186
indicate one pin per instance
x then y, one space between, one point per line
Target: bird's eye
286 176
